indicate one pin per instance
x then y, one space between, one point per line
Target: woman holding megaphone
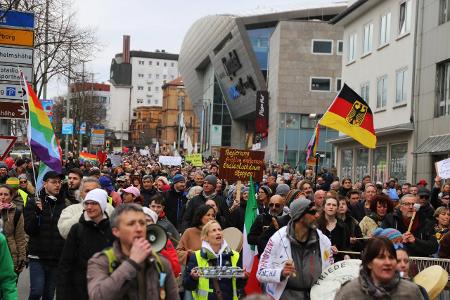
215 252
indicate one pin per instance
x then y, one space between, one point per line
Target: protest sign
144 152
194 159
170 160
443 168
116 160
241 164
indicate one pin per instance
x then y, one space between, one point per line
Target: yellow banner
17 37
195 159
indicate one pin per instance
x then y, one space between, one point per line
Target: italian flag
250 258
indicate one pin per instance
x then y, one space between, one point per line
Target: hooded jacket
277 252
45 242
175 207
84 239
8 288
15 235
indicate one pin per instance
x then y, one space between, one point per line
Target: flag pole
27 120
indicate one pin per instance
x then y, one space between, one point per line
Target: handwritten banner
443 168
170 160
241 164
194 159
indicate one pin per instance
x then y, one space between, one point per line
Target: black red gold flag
351 115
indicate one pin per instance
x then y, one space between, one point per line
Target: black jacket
45 241
147 195
199 200
425 244
355 231
175 207
84 240
261 231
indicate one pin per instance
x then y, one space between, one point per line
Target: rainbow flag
313 144
85 156
41 137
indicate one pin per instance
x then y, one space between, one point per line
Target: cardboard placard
170 160
241 164
443 168
195 159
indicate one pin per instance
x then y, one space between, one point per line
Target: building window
164 76
141 75
444 11
141 62
379 164
149 62
157 76
347 163
156 102
157 63
404 24
140 101
171 76
320 84
149 101
401 90
443 86
165 64
156 88
397 166
340 47
172 64
322 47
338 84
365 92
149 75
149 89
367 42
293 121
385 29
352 47
140 88
308 122
382 92
362 163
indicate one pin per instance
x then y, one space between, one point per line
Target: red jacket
170 253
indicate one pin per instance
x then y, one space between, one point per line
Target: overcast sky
156 24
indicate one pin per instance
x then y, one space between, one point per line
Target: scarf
211 196
210 254
375 291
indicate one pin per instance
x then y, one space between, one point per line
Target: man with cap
295 255
3 173
423 198
45 244
176 201
209 192
114 198
90 235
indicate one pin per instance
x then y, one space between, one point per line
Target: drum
233 236
332 278
433 279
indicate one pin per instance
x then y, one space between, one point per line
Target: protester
3 173
346 187
130 270
423 198
380 206
297 249
8 289
158 205
90 235
147 190
25 185
442 217
191 239
352 225
176 201
420 240
131 195
356 206
114 198
71 214
378 277
264 194
13 227
45 244
72 185
214 252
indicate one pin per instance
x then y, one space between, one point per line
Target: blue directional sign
16 18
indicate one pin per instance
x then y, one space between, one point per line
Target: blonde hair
206 228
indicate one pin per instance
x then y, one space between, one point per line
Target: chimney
126 49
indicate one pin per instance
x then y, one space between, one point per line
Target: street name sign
16 56
16 37
16 18
11 73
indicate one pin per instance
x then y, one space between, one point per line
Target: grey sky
156 24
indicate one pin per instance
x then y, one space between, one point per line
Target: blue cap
177 178
106 183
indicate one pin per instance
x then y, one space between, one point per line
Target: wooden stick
362 238
411 222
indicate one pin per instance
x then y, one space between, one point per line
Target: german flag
351 115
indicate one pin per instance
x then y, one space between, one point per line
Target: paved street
24 284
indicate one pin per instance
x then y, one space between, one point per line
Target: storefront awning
435 144
398 129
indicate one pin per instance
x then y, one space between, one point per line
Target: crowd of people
83 235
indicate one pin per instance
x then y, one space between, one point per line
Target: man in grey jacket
129 270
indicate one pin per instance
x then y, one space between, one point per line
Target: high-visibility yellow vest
24 196
110 201
203 283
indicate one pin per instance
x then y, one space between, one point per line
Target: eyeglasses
54 181
277 205
410 204
23 181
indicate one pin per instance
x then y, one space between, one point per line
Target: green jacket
8 289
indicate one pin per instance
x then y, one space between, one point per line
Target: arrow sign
6 143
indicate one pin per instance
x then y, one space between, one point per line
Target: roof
88 86
155 55
434 144
348 11
176 82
